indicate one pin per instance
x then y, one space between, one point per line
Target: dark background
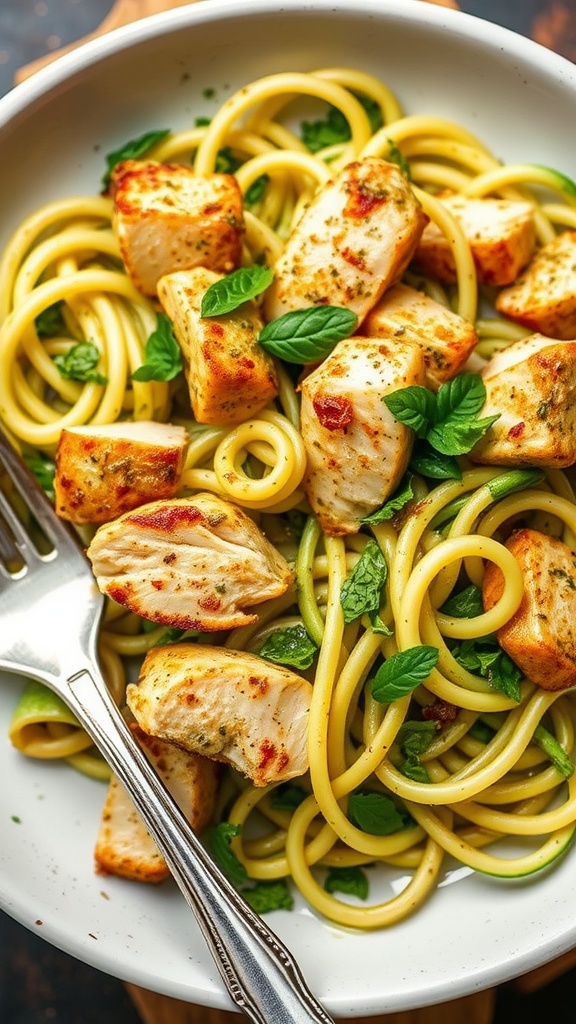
38 983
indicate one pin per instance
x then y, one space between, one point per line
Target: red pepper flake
333 411
517 430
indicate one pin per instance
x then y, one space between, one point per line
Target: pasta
483 781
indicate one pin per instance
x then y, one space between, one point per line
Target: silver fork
260 974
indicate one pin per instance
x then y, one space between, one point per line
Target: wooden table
554 25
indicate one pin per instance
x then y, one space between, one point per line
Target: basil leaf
292 646
551 747
403 672
351 880
132 150
480 731
43 469
80 363
448 419
334 129
485 657
287 797
362 590
395 504
267 896
231 291
331 131
163 358
467 604
414 738
219 839
376 814
395 156
307 335
50 321
414 406
425 461
458 402
378 625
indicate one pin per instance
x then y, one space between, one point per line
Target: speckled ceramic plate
54 131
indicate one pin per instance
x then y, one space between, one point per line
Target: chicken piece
544 296
357 450
500 233
412 316
103 471
541 637
230 376
228 705
188 563
124 846
168 218
353 241
532 385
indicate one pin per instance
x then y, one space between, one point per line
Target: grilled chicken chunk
103 471
230 376
409 315
189 563
168 218
124 846
544 296
500 232
353 241
357 451
532 385
541 636
228 705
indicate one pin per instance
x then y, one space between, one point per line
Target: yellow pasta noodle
483 788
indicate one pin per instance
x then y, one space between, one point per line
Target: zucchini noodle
485 778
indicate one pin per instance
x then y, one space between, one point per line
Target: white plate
54 132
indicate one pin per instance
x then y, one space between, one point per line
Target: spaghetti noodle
483 776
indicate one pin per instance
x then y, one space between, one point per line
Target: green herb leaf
551 747
80 363
132 150
414 406
403 672
458 403
481 731
352 880
232 290
394 156
50 321
425 461
485 657
376 814
163 358
466 604
219 839
362 590
43 469
395 504
267 896
334 130
514 480
378 625
287 797
292 646
448 419
414 738
307 335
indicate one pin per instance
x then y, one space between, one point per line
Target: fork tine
35 499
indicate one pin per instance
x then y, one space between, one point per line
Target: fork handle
260 974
